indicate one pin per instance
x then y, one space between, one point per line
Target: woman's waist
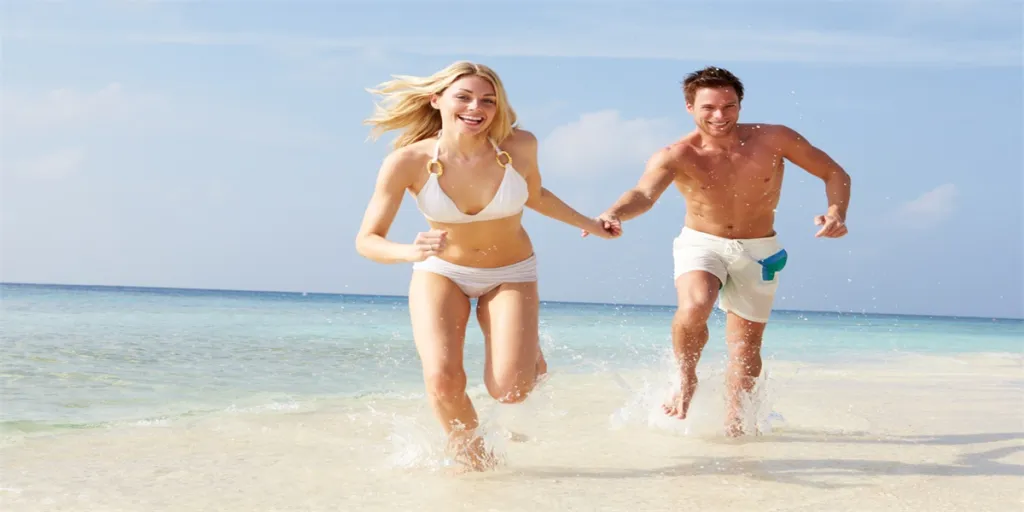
473 247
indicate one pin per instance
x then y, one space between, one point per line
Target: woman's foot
471 455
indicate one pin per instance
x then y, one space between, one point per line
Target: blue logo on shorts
773 264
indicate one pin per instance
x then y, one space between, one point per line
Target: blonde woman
471 172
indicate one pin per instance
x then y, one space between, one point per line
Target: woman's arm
542 200
548 204
371 241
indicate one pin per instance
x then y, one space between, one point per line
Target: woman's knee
511 387
445 383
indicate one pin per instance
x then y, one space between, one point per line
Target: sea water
77 356
158 399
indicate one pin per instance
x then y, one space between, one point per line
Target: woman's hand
427 244
605 227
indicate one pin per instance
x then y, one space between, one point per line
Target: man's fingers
832 229
826 227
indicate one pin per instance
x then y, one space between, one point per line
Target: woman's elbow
361 244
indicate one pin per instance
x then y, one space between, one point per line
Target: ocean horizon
159 289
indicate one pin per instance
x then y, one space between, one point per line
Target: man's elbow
838 176
644 198
844 178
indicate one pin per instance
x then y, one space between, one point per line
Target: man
730 175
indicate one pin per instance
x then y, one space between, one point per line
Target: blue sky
220 144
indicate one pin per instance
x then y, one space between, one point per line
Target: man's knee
745 348
697 293
744 337
694 311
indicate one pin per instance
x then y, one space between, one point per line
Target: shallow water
158 400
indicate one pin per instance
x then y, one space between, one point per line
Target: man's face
715 110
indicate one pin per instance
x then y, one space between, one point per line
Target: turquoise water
85 356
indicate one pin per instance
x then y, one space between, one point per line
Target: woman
471 172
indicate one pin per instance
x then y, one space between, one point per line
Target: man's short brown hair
710 77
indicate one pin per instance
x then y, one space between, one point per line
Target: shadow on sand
812 472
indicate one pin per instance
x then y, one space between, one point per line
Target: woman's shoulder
520 142
408 160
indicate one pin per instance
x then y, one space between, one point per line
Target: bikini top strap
434 166
500 153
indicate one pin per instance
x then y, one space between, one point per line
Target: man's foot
734 427
679 405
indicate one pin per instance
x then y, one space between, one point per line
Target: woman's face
468 106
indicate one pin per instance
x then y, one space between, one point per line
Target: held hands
427 244
832 226
605 226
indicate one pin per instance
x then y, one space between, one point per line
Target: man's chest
735 172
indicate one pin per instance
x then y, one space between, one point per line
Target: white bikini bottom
475 281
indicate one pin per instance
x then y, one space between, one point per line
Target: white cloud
602 142
54 166
62 108
930 207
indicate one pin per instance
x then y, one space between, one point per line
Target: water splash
708 408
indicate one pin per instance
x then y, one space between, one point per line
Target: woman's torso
478 202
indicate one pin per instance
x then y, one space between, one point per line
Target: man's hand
832 226
605 226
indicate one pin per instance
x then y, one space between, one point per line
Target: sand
928 433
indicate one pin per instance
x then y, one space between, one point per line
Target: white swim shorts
747 269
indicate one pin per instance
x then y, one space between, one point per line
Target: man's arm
657 176
798 150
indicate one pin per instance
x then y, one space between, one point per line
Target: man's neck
726 143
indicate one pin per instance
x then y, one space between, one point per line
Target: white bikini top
437 206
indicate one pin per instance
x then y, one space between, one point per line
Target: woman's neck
463 146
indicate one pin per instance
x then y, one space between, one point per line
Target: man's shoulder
675 153
771 132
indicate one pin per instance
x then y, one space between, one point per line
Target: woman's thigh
439 312
509 317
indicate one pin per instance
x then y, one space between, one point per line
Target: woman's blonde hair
407 104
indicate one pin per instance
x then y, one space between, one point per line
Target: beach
120 399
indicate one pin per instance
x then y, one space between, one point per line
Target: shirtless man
730 175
